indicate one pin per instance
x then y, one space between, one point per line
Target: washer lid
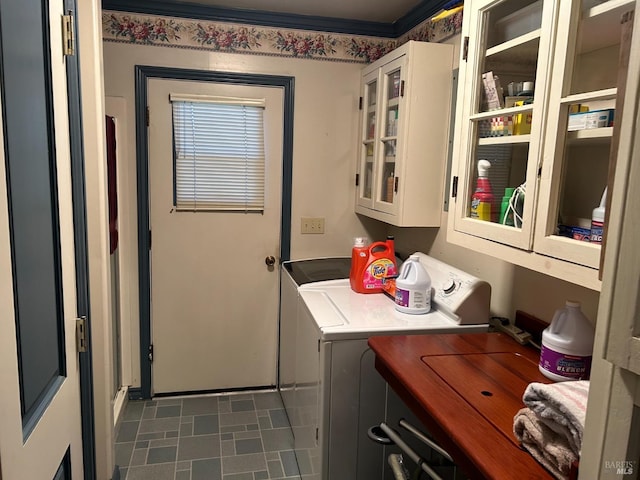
339 313
318 269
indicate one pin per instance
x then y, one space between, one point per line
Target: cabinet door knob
270 261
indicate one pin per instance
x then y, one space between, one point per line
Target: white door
214 301
40 431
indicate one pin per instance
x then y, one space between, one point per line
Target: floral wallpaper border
243 38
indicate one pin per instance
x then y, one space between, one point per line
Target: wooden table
466 390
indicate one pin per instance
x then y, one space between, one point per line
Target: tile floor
243 436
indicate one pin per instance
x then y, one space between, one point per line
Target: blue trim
64 470
85 359
31 419
252 17
142 75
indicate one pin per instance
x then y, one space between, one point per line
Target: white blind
219 153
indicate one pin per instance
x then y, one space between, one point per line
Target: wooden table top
466 389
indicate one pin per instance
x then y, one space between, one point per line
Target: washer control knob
449 286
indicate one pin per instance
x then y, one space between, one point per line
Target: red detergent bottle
368 272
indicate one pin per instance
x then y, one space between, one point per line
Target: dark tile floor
243 436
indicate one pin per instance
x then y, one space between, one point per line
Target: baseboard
119 404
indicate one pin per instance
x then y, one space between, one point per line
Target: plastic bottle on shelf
482 206
389 189
567 345
597 220
506 214
413 287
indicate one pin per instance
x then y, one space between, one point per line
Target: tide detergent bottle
370 265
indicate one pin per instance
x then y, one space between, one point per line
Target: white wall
325 149
325 152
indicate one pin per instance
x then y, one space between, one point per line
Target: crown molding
418 14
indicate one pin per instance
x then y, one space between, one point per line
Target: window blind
218 153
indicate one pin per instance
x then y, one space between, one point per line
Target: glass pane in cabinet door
371 89
501 116
388 172
392 103
508 55
367 172
499 184
584 179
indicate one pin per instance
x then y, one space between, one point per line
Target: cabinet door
577 146
508 51
389 148
368 134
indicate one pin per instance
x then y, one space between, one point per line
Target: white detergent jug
413 287
567 345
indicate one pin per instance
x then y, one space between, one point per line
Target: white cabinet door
576 167
509 44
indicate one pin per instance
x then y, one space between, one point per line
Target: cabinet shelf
505 140
521 50
591 136
502 112
605 94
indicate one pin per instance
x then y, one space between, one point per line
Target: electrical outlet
312 225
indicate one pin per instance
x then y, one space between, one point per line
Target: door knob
270 261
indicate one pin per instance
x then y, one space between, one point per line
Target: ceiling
385 11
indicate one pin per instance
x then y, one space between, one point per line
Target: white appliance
294 274
337 394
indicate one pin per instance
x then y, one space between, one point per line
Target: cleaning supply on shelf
482 206
371 264
506 214
597 220
567 345
413 287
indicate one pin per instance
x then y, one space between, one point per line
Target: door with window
40 429
215 183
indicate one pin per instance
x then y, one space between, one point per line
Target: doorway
144 75
214 300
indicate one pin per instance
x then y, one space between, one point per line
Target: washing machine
293 275
336 394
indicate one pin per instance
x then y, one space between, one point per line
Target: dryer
337 394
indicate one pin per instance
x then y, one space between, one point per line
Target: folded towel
562 407
546 445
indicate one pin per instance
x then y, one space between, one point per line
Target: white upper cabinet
549 158
406 97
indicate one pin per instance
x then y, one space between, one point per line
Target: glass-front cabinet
587 72
504 88
405 108
538 88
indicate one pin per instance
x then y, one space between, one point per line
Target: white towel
562 407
